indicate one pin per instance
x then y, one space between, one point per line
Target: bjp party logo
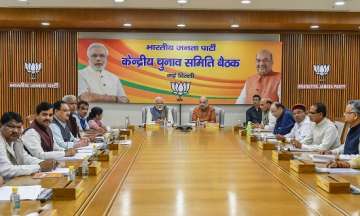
180 89
33 69
321 69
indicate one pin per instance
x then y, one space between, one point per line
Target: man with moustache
61 130
204 112
38 138
96 84
265 82
159 112
14 160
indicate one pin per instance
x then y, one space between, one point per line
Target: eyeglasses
348 113
313 113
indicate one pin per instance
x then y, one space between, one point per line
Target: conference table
201 172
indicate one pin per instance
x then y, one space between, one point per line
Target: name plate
67 190
126 132
94 169
333 184
237 128
152 126
282 155
113 146
302 166
132 128
266 146
103 156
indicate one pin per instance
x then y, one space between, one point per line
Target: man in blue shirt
284 118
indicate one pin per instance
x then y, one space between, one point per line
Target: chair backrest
146 109
219 112
343 129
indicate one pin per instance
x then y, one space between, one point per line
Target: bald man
265 82
204 112
159 112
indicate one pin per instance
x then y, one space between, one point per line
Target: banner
136 71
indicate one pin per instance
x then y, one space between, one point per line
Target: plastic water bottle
15 201
127 121
197 122
85 168
94 152
71 174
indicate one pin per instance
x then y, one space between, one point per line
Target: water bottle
15 201
71 174
94 152
197 122
85 168
127 121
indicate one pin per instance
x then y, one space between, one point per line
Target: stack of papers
337 170
123 142
317 158
292 148
78 156
25 192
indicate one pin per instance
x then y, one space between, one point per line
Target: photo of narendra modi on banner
116 70
95 83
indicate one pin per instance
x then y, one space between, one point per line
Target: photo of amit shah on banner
265 82
96 84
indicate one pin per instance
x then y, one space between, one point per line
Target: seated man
204 112
254 113
352 117
61 130
324 135
302 127
267 119
284 119
80 116
159 112
71 101
38 138
14 160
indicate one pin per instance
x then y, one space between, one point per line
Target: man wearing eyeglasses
96 84
14 160
265 82
61 130
352 117
324 134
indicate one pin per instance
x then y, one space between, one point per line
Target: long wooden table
203 172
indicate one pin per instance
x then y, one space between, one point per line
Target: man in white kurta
96 84
14 160
324 135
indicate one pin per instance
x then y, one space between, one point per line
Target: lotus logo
33 69
180 89
321 69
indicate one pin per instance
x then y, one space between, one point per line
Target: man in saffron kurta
204 112
265 82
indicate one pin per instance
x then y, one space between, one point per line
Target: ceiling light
181 25
45 23
22 0
127 24
245 1
314 26
119 1
339 3
182 1
234 26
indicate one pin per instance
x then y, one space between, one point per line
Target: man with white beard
96 84
159 112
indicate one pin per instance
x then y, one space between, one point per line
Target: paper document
25 192
337 170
